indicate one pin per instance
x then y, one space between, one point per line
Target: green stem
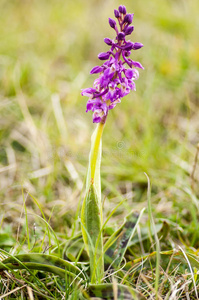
91 214
95 150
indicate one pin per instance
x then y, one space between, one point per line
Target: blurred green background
47 49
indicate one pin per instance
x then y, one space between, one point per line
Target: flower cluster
115 80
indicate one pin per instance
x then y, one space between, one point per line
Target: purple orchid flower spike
118 73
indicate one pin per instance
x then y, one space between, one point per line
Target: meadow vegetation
47 49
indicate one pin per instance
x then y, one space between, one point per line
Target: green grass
47 49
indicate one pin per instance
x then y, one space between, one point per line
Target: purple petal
108 74
89 105
137 64
96 70
88 92
104 108
99 94
96 118
129 73
100 109
132 86
104 55
113 104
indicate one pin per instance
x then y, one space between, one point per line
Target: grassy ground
47 49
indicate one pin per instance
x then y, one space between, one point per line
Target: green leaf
73 246
42 262
6 240
118 243
193 259
161 228
177 255
92 234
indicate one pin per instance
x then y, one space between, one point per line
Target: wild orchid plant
116 79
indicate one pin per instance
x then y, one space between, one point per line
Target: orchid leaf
118 243
111 291
193 259
42 262
91 229
161 228
177 255
6 240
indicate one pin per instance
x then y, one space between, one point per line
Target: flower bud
128 18
127 53
108 41
96 70
128 30
112 23
137 46
121 36
122 9
103 55
116 13
129 46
